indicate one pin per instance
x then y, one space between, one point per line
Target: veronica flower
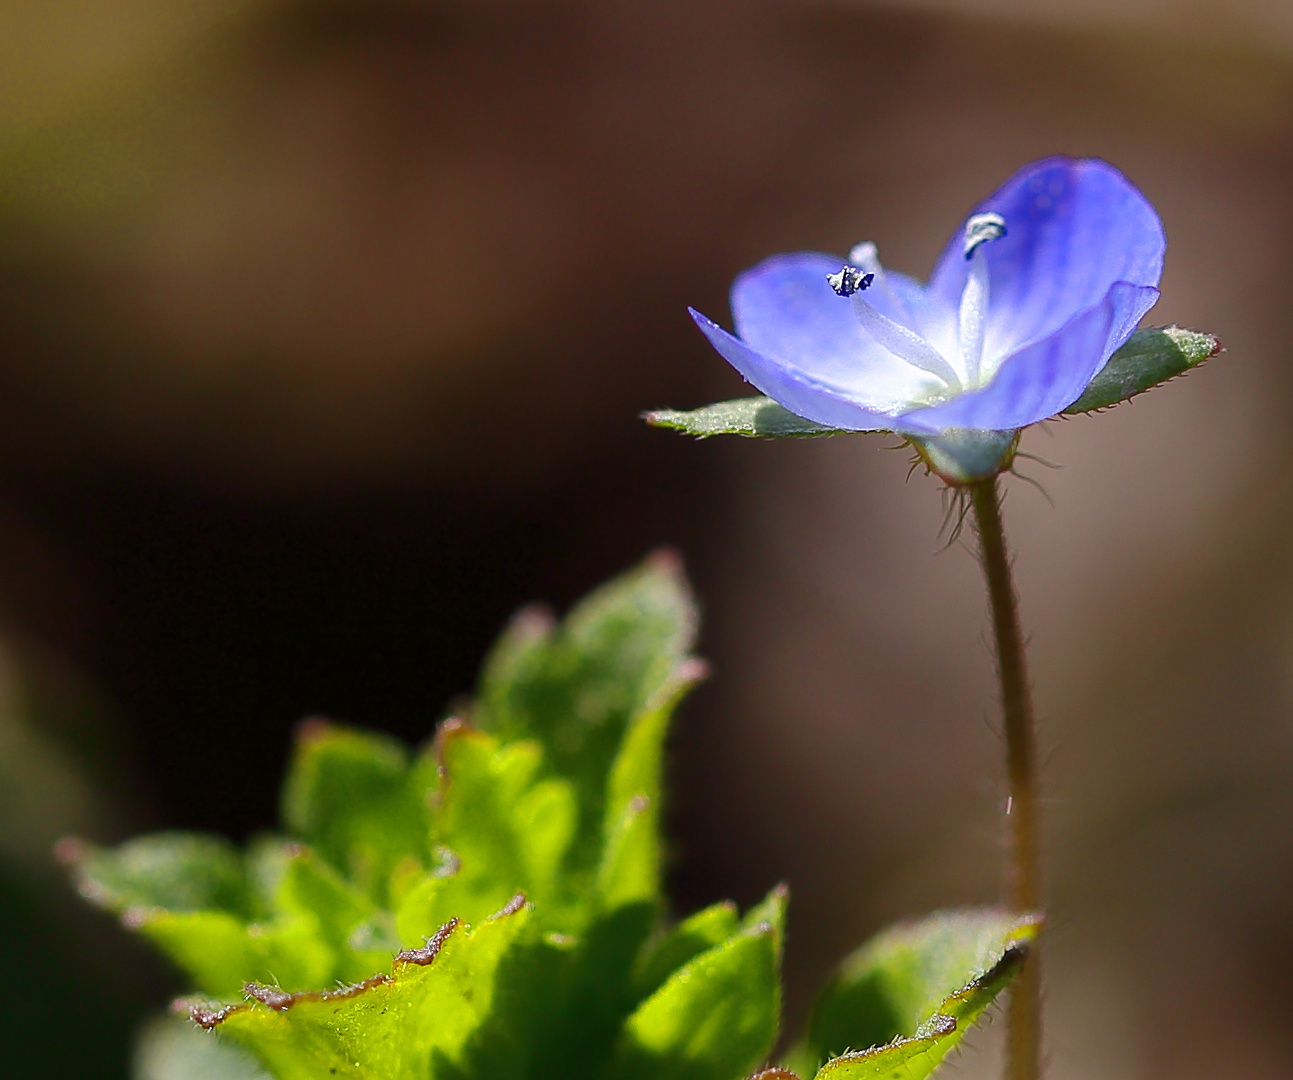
1044 281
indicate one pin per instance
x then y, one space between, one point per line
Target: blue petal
794 389
785 311
1043 378
783 307
1073 229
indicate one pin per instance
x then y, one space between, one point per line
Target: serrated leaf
213 948
1150 357
419 1021
560 1004
352 796
221 952
506 829
713 1019
188 894
577 686
265 862
630 869
902 1001
346 919
562 802
917 1057
691 937
177 871
755 417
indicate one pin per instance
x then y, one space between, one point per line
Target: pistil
851 282
867 256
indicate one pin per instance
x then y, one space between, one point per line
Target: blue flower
1046 279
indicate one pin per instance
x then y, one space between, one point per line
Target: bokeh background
324 327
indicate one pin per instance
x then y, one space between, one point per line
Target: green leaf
419 1021
187 894
265 862
560 800
352 796
577 687
715 1018
213 948
505 829
1150 357
688 939
178 871
560 1005
221 953
753 417
771 910
361 937
630 869
902 1001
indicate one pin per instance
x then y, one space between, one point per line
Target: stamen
980 229
849 281
867 256
972 322
903 343
973 316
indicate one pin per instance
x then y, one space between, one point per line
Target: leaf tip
203 1014
71 851
271 996
666 561
138 916
1027 926
313 730
691 671
427 954
510 908
533 621
938 1026
449 730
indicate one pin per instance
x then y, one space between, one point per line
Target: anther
849 280
980 229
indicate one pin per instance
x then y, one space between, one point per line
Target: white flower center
959 363
902 342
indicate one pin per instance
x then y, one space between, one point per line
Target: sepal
756 417
1150 357
902 1001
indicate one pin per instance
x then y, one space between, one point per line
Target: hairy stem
1024 1018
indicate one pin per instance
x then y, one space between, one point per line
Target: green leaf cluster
1150 357
491 904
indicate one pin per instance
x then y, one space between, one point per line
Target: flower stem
1024 890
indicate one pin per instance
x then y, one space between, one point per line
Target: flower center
851 282
959 365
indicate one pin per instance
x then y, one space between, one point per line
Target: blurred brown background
323 330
